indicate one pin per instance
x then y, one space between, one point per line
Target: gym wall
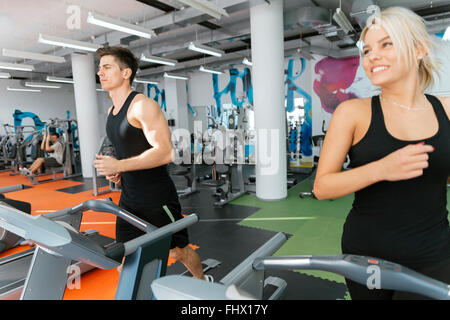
50 103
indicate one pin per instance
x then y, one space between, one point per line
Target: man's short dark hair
54 134
124 57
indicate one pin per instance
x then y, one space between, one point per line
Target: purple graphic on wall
335 76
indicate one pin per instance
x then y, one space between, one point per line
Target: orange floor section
44 198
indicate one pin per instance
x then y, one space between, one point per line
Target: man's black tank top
152 187
402 221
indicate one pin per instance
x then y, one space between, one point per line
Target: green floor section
315 226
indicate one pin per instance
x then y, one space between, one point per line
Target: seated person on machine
55 155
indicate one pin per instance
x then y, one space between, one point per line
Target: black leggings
439 271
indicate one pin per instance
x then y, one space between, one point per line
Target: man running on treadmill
141 138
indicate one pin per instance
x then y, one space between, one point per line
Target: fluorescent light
342 21
59 79
154 59
145 81
22 89
99 20
33 56
205 49
446 36
41 85
247 62
360 45
174 76
203 69
74 44
16 66
5 75
207 7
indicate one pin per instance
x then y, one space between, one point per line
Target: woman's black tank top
402 221
150 186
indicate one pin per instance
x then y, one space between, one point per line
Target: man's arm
45 145
147 115
154 125
44 137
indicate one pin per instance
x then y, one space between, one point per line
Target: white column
266 22
83 70
176 102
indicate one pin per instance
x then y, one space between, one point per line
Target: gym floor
228 234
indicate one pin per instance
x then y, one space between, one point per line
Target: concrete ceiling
176 25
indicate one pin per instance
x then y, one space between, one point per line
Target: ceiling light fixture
207 7
74 44
203 69
174 76
342 21
16 66
42 85
205 49
247 62
32 56
99 20
159 60
59 79
371 9
145 81
5 75
446 36
22 89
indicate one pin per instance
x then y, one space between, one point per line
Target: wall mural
188 104
245 76
306 126
158 94
334 78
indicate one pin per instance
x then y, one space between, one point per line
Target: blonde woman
399 146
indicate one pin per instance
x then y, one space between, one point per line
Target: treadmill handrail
71 244
35 228
241 272
13 188
392 276
106 205
132 245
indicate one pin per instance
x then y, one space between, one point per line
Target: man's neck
119 95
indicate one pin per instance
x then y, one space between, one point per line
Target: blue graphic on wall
19 116
212 116
74 130
440 35
245 76
187 98
292 88
293 140
158 94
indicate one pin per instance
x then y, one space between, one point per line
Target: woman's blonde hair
408 32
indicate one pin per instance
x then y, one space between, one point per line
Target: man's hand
106 165
115 178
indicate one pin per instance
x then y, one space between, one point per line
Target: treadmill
14 268
58 244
